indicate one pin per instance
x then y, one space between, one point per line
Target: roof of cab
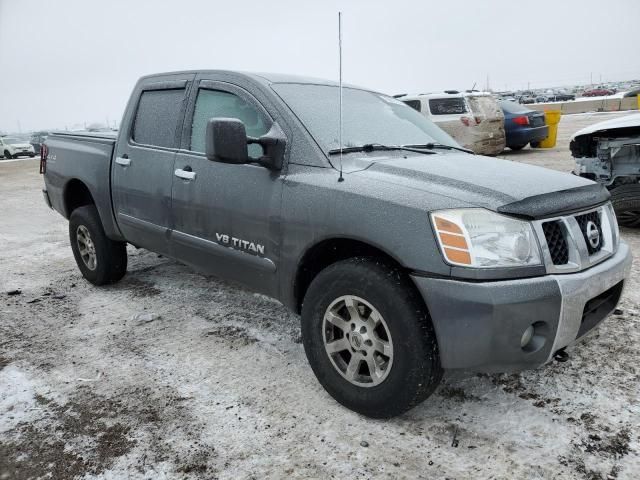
266 78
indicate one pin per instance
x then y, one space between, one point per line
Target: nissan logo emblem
593 234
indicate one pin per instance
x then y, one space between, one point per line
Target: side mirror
273 144
226 140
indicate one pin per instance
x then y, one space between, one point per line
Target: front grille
583 222
556 242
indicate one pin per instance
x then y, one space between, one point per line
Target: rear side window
158 116
415 104
215 103
447 106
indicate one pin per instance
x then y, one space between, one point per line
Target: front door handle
124 160
185 174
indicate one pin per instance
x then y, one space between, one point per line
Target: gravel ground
212 382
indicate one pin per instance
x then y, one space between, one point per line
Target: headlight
474 237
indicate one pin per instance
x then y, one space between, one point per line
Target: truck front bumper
480 326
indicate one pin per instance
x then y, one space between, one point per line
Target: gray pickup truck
405 254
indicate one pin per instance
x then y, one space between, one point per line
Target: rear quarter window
157 117
447 106
415 104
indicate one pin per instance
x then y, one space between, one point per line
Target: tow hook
561 356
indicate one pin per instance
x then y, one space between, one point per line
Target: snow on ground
213 382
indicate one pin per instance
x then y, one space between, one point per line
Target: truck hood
499 185
622 122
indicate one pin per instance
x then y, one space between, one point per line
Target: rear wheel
626 203
369 339
100 259
535 144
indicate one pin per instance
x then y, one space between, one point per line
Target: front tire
517 147
626 203
101 260
369 338
7 155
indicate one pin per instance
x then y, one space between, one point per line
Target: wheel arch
76 194
330 250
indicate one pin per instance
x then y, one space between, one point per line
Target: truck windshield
368 117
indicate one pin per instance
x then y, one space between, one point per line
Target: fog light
527 336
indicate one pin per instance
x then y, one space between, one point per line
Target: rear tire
389 317
535 144
101 260
626 203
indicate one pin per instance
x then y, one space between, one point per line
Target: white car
12 147
474 120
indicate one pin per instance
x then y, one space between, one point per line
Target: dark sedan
523 125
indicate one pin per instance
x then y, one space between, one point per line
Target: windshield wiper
371 147
432 146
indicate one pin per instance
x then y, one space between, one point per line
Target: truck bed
83 156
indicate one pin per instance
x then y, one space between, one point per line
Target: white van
474 120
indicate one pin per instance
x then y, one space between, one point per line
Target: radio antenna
341 178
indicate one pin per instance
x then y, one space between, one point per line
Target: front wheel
369 339
100 259
516 147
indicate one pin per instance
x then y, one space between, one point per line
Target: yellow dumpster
552 117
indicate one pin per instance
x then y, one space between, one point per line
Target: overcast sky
67 62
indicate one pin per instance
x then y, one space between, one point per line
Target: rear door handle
185 174
124 161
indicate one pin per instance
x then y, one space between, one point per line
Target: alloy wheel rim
86 247
358 341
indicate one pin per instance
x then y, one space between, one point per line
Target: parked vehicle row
479 122
474 119
405 254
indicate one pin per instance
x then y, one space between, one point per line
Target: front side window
157 117
368 117
216 103
447 106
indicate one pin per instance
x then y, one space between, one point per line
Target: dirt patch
3 362
237 335
456 393
139 288
615 445
41 448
